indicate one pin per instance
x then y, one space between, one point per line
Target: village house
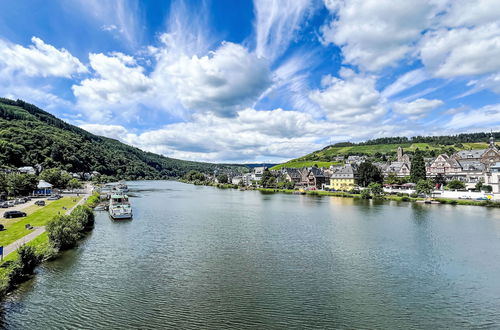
27 170
257 173
355 160
492 178
344 178
400 168
292 175
468 166
312 177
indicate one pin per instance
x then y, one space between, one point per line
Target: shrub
24 265
365 194
84 216
64 232
93 200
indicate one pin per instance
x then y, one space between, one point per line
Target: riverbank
42 246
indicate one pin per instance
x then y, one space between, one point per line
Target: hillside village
473 168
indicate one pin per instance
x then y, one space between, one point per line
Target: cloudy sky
243 81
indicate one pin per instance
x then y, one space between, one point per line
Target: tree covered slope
30 136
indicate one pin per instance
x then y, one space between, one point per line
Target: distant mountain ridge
30 136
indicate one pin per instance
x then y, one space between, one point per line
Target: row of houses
468 166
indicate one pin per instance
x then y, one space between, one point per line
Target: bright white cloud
223 82
38 60
462 51
277 23
117 132
471 13
273 135
374 34
119 81
484 118
417 109
352 99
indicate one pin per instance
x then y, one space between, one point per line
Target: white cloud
484 118
462 51
471 13
119 81
491 82
115 16
223 82
274 135
38 60
117 132
276 24
374 34
405 81
353 98
417 109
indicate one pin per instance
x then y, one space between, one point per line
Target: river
200 257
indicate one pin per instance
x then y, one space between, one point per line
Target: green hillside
387 151
29 136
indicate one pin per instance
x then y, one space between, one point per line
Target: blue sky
255 81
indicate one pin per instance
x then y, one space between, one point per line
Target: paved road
37 231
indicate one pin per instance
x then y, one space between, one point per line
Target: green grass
301 164
15 229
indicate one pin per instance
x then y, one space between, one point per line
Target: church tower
400 154
492 141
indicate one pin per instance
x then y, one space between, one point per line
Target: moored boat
119 207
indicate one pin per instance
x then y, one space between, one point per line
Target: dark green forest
30 136
438 140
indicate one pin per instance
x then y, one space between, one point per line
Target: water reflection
201 257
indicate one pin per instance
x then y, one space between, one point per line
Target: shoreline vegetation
62 233
401 197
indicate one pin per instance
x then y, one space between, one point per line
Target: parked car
19 201
40 203
11 203
4 205
53 198
14 214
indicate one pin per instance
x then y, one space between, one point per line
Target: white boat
119 207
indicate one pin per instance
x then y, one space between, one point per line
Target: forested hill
30 136
383 149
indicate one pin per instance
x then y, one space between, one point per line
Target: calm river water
199 257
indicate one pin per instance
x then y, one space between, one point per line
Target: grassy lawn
15 229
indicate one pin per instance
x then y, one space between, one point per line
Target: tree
376 190
439 179
425 187
455 185
267 178
479 185
391 179
74 184
222 178
369 173
21 184
64 231
417 171
487 188
365 194
56 177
